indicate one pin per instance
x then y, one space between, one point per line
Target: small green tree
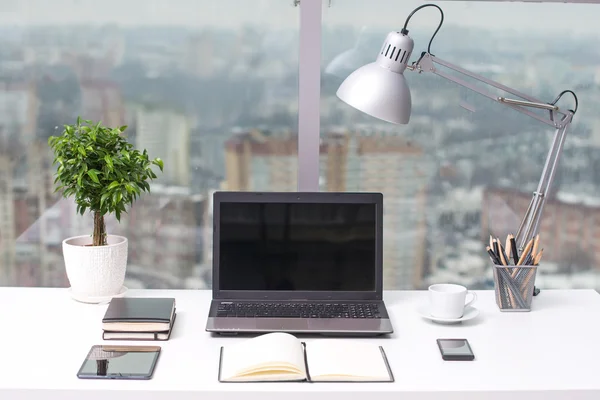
101 170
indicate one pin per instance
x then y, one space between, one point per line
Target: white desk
45 336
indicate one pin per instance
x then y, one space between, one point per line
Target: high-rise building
200 56
114 44
162 234
355 163
37 228
260 161
7 220
393 166
102 101
166 134
18 123
18 113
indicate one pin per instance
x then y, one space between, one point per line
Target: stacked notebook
139 318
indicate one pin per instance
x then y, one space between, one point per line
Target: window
464 166
209 86
216 89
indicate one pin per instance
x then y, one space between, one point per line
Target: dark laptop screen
297 246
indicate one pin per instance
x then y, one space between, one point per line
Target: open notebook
282 357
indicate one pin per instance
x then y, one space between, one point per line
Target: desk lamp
380 90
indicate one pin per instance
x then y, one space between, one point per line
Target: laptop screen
297 246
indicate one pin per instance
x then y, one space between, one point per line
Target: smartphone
119 362
455 350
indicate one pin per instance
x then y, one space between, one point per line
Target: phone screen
457 349
119 362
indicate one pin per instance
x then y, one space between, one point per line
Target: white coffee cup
447 300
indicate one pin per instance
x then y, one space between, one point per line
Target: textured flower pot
95 272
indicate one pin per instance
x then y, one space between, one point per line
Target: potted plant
105 175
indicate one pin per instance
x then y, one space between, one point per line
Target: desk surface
550 353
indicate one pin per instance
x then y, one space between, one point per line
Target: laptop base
321 326
338 326
309 334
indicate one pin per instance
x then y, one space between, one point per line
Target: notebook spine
387 364
308 379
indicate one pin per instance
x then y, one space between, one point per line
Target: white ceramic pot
95 272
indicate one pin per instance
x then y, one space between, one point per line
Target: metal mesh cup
514 286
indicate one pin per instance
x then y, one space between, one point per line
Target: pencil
508 248
502 257
502 252
492 255
536 243
525 252
515 251
496 249
538 257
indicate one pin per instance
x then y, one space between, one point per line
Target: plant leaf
103 199
159 162
109 162
113 185
94 175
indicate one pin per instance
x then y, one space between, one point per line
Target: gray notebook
139 314
281 357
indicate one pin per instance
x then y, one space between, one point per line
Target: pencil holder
513 286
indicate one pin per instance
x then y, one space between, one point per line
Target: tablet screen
120 362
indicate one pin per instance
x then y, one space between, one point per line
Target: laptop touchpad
279 324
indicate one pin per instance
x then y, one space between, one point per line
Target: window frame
309 95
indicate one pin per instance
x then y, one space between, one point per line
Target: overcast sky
389 14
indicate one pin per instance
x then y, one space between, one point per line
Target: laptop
298 263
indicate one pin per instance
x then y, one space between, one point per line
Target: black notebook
279 357
139 314
121 335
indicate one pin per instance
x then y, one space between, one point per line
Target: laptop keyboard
297 310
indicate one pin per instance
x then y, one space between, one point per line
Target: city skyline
389 14
187 96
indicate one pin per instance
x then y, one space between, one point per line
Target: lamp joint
425 63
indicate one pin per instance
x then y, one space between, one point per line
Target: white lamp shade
379 92
380 89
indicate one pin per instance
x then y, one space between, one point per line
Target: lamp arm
557 118
529 226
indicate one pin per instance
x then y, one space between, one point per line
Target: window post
309 94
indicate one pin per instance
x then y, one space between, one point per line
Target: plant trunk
99 236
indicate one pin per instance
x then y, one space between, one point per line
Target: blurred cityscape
220 107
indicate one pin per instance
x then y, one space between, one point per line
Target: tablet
119 362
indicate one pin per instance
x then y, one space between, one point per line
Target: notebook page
341 360
261 352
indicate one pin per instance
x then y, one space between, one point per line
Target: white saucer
470 313
96 299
